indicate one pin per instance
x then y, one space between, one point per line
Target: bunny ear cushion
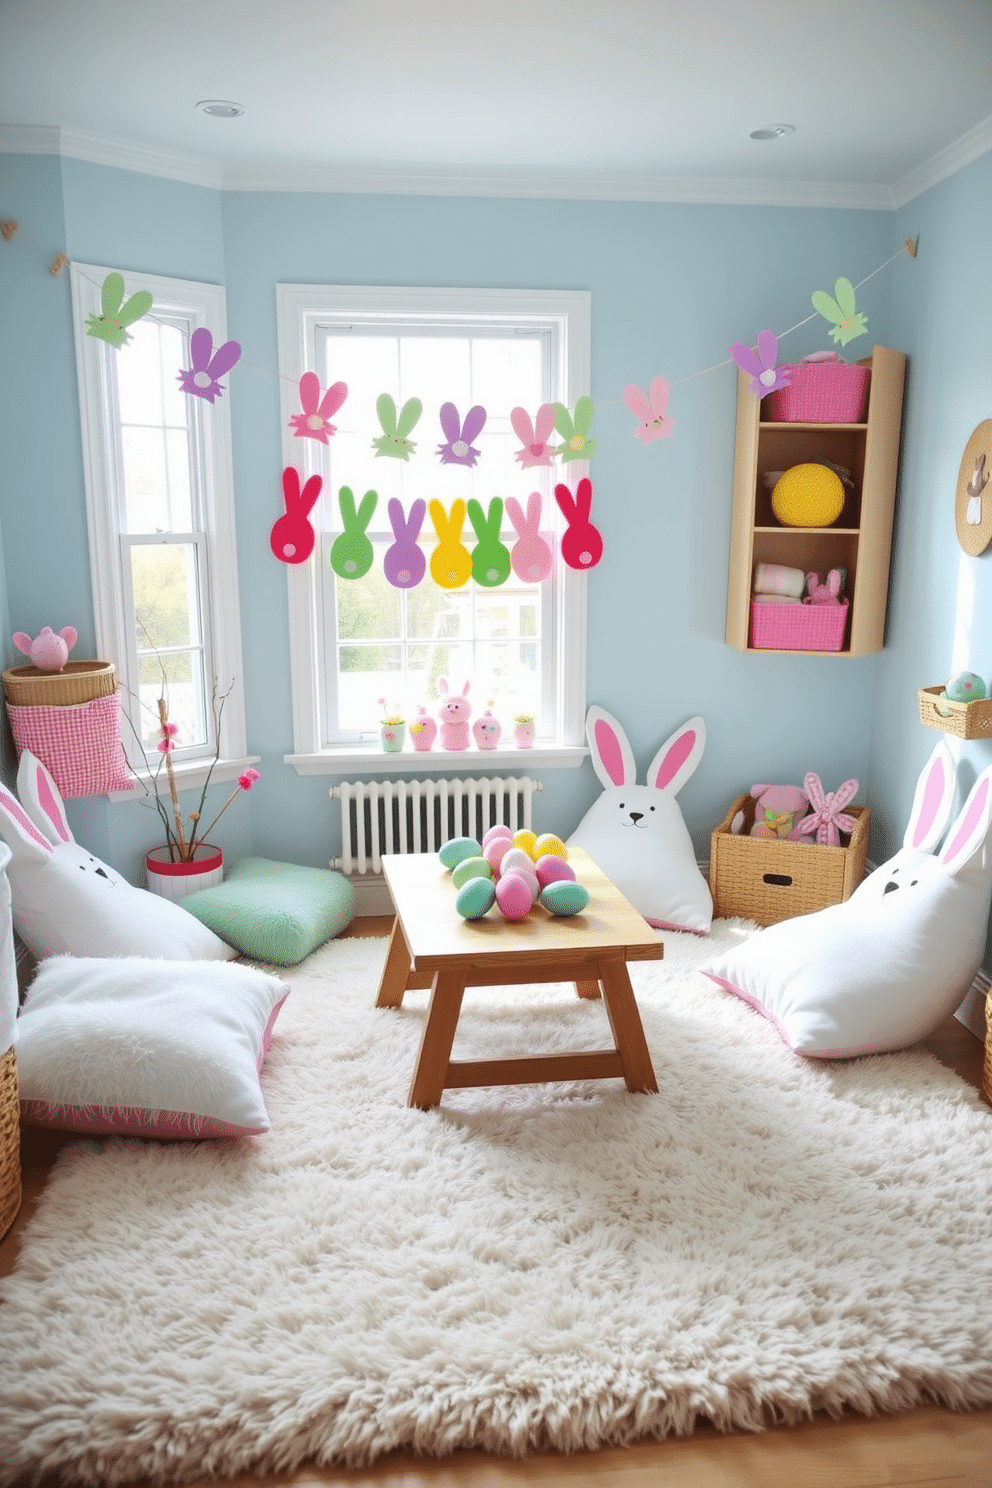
26 842
678 757
612 756
42 799
933 801
970 830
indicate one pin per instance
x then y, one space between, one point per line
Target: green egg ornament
475 898
565 898
964 687
468 869
453 852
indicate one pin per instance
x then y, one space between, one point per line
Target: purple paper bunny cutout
458 449
208 365
404 562
765 376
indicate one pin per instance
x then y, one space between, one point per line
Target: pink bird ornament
650 408
761 364
827 817
314 421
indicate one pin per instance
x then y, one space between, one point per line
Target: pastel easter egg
965 687
565 898
499 830
470 868
549 843
526 840
513 896
551 869
452 853
495 851
517 860
530 879
475 898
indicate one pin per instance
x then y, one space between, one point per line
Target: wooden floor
926 1447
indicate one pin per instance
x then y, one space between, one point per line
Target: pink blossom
164 746
247 780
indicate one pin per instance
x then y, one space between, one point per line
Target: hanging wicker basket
10 1142
77 682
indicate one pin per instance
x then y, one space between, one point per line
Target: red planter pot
175 880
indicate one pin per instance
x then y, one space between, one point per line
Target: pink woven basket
820 393
797 627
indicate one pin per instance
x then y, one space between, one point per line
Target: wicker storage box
798 627
766 880
78 682
10 1142
987 1066
820 393
964 720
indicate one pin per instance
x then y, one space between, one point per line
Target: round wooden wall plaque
973 499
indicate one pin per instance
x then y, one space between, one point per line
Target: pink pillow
80 744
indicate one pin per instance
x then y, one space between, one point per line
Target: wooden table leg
431 1068
588 989
396 970
628 1031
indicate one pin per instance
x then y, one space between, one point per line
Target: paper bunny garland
292 537
208 365
314 421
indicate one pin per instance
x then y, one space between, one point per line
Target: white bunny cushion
636 834
64 900
881 970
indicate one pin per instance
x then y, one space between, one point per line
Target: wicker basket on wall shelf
964 720
77 682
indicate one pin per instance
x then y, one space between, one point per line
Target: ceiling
640 99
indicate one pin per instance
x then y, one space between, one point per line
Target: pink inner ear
51 808
933 795
16 810
610 752
675 759
975 808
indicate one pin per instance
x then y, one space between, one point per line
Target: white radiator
412 816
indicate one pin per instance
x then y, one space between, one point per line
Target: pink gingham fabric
80 744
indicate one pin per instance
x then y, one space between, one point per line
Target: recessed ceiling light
219 108
772 131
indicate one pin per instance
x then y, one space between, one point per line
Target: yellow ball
525 840
808 496
550 845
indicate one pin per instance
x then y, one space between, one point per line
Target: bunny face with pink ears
66 901
636 833
454 713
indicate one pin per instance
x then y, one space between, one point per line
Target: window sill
190 776
373 761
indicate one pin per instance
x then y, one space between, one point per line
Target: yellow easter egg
808 496
547 844
526 840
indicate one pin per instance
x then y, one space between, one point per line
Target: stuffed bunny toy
454 713
820 593
778 811
64 900
880 970
48 652
636 834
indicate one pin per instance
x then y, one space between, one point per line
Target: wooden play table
432 946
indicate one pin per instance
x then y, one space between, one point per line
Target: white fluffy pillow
144 1047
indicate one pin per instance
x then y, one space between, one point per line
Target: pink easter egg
552 869
530 879
495 851
499 830
517 861
513 896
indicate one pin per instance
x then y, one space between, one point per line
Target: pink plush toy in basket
822 390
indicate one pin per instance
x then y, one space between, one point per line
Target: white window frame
301 308
203 305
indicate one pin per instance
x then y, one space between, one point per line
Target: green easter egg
452 853
565 898
475 897
470 868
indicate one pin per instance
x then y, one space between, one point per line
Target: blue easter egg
475 898
452 853
965 687
470 868
565 898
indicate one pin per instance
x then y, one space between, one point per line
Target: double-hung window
160 509
518 642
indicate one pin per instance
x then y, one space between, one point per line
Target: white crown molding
948 162
80 144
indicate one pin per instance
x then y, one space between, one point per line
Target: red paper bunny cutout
292 537
581 545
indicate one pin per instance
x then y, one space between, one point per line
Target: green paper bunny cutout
393 440
490 558
847 321
451 562
111 325
351 553
575 432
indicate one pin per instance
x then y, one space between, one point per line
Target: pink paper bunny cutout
823 594
765 376
534 436
650 409
581 546
313 422
454 714
827 817
48 652
458 449
404 563
530 555
208 365
292 537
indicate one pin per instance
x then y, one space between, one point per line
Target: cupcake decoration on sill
392 729
423 730
487 729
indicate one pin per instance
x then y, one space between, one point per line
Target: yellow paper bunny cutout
451 562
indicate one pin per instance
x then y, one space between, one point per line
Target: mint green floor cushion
277 912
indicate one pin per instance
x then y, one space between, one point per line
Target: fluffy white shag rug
558 1266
